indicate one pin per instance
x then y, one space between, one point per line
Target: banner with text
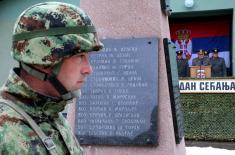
207 86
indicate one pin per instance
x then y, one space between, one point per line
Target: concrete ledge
222 145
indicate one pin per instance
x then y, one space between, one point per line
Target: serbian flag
189 36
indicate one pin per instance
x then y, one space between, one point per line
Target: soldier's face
74 71
200 56
179 57
216 55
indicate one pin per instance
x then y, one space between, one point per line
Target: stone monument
136 19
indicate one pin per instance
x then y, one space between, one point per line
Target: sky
208 151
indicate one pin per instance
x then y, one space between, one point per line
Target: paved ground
223 145
194 150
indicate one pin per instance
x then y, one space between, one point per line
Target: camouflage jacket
17 137
204 62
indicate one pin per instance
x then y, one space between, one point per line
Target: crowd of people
218 67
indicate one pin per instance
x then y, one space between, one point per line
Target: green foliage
209 116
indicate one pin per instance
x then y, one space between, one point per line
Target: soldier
218 67
51 42
182 64
206 58
206 54
201 60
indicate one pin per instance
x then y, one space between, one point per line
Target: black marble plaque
119 100
173 82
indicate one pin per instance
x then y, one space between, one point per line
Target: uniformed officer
201 60
206 54
206 58
218 67
182 64
51 41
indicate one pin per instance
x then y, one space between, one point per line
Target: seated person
218 67
201 60
182 64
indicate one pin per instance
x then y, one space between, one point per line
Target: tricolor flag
191 36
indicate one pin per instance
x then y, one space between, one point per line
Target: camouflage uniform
204 61
183 69
17 137
218 67
46 48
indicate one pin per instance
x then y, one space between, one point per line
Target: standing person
201 60
51 42
206 58
182 64
206 54
218 67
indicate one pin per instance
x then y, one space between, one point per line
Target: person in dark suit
218 67
182 64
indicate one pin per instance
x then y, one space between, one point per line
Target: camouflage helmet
47 32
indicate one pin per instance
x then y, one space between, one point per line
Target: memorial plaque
120 99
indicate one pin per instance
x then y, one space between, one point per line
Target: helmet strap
34 72
52 78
